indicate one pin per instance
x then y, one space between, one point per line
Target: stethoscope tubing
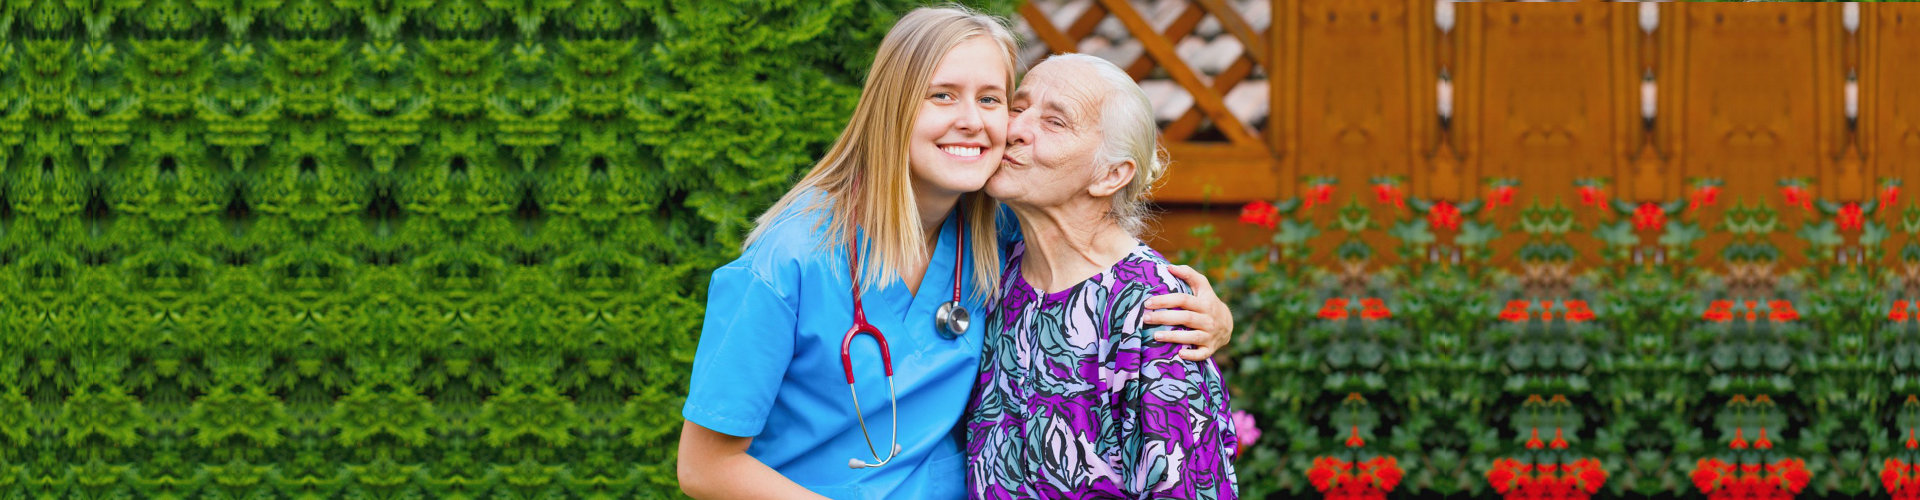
943 325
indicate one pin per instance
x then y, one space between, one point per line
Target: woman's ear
1116 177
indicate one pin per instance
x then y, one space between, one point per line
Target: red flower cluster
1902 479
1370 309
1516 311
1721 311
1389 193
1706 194
1260 213
1778 480
1334 309
1591 195
1797 195
1374 309
1889 194
1519 480
1649 216
1577 311
1444 214
1781 311
1318 194
1899 312
1500 195
1851 217
1343 480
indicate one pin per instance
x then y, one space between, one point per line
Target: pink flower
1246 431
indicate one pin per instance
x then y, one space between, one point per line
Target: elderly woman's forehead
1064 80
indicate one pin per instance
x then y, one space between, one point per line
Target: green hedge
356 249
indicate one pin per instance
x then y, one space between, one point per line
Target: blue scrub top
768 365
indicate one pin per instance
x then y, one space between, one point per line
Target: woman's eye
990 100
1015 110
943 95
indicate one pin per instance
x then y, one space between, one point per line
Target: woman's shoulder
790 240
1149 267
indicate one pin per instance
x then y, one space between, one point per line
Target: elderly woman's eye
1016 109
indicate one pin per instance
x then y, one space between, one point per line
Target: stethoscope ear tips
855 463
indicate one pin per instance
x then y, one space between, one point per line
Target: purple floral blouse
1076 400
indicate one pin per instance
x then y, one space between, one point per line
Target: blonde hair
865 174
1128 132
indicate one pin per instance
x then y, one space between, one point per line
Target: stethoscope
950 321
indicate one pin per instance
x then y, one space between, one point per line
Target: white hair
1128 133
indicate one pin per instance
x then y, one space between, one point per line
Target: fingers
1174 301
1192 320
1196 353
1195 339
1201 286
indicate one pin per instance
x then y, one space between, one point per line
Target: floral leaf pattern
1075 399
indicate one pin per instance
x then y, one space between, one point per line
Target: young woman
832 361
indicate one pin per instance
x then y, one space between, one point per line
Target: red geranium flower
1343 480
1720 311
1705 195
1260 213
1797 195
1516 311
1319 194
1851 218
1649 216
1334 309
1901 479
1374 309
1501 195
1444 214
1899 312
1577 311
1890 195
1592 196
1781 311
1389 193
1516 480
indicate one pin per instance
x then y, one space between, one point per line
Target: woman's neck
1065 247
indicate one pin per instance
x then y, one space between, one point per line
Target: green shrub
371 249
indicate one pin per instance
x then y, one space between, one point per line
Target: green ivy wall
384 249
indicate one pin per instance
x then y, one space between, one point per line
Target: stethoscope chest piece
951 320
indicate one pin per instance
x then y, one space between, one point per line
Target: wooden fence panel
1546 94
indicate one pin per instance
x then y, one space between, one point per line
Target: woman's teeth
961 151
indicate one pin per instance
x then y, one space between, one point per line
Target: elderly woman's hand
1209 322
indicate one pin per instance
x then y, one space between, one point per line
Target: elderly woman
1075 398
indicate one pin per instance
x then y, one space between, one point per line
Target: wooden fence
1649 96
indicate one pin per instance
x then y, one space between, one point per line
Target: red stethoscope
950 321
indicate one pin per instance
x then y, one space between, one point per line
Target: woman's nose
970 120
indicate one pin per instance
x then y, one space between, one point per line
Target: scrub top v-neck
769 367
